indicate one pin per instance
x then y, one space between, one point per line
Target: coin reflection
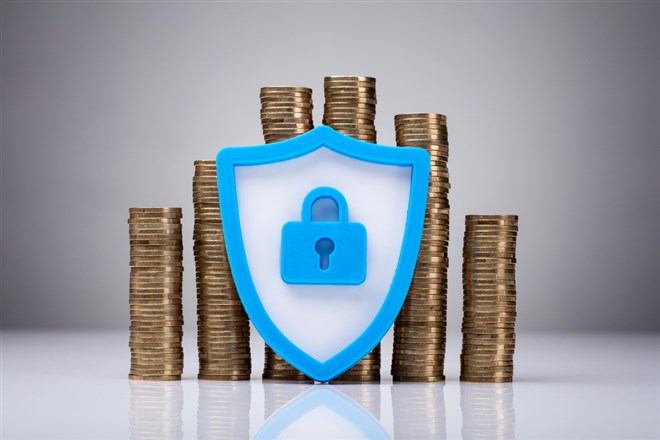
419 410
155 410
223 409
488 411
367 395
321 411
277 394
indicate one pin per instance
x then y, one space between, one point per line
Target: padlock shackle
325 192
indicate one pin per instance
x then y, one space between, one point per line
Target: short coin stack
420 329
489 301
286 112
223 329
156 311
350 108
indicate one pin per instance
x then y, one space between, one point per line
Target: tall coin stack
489 298
350 108
223 329
420 329
156 310
286 112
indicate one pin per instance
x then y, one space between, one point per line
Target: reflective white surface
74 386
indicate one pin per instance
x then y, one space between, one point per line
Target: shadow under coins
155 410
488 411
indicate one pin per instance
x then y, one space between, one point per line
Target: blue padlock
324 252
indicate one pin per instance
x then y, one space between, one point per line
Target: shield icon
322 327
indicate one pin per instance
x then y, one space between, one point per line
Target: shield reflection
322 411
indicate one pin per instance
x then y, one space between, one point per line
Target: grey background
553 113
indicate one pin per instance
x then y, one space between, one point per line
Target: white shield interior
322 320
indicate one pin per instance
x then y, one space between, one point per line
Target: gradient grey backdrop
553 113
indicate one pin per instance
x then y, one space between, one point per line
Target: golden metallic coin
169 283
143 377
285 89
155 227
155 374
237 376
152 302
349 109
349 79
153 221
479 353
484 359
480 217
423 378
143 216
154 210
217 362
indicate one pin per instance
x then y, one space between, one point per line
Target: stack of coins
156 310
350 106
489 298
223 328
420 329
286 112
155 410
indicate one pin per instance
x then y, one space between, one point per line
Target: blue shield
322 328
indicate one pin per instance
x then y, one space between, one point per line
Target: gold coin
155 347
153 221
479 217
286 89
143 377
237 376
154 210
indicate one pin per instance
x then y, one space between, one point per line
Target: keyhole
324 247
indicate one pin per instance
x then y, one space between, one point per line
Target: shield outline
323 136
